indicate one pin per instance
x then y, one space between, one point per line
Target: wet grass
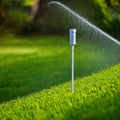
30 64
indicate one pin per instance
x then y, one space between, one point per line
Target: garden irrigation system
72 43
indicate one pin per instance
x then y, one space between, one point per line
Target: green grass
35 74
28 2
96 97
31 64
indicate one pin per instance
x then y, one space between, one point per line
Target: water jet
82 20
96 50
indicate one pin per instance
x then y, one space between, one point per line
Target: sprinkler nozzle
72 36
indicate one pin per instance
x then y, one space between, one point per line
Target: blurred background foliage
15 16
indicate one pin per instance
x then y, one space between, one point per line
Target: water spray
88 24
72 43
102 49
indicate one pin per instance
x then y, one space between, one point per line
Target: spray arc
86 23
91 39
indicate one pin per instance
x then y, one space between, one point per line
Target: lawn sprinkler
72 43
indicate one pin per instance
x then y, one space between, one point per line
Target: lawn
96 97
34 63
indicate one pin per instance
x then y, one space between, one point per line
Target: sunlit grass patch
28 2
17 50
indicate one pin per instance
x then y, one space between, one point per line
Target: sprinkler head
72 36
